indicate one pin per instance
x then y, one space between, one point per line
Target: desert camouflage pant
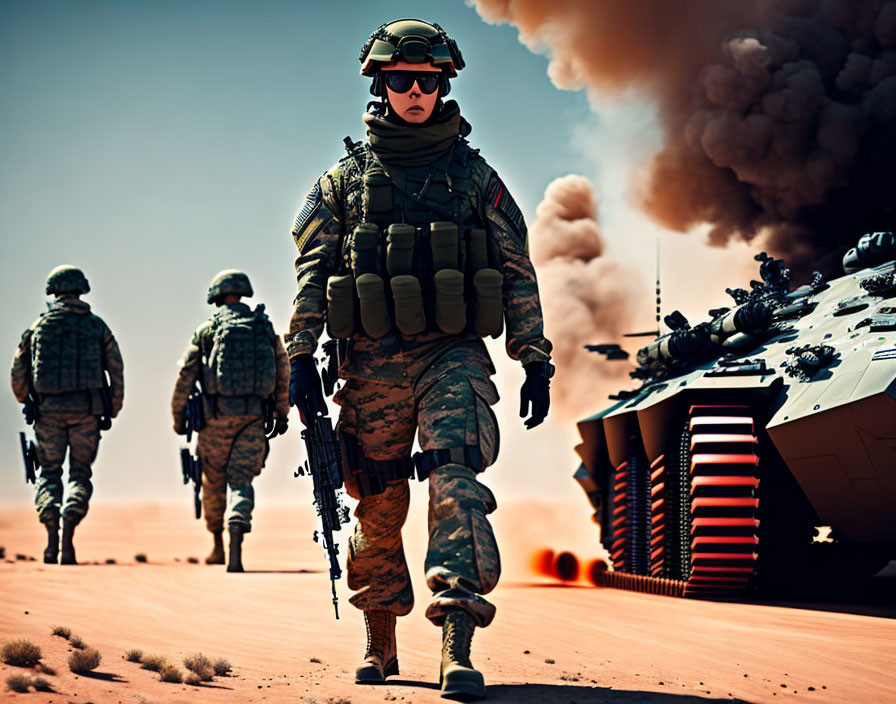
56 433
233 450
447 401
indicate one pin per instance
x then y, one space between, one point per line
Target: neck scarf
407 145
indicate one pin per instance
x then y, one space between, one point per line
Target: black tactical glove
305 390
280 426
536 390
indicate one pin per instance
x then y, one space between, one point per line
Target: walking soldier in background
241 367
411 250
69 374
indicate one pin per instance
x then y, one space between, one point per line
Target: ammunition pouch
371 477
415 280
428 460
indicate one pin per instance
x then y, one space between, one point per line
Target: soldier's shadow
576 693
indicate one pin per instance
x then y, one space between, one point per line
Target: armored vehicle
760 450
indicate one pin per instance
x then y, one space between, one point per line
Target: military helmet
229 281
414 41
67 279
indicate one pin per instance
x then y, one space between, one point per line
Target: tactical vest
241 361
67 353
420 259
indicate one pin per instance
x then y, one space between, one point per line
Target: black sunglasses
401 81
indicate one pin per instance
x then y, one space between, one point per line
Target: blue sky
155 143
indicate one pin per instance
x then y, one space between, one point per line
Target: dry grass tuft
41 684
201 666
62 632
84 660
18 683
111 561
134 655
169 673
77 642
140 557
222 667
154 663
317 660
21 653
193 560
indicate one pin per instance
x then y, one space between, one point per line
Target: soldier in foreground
69 373
411 250
241 367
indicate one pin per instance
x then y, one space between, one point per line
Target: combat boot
381 658
68 548
216 556
235 559
51 552
458 678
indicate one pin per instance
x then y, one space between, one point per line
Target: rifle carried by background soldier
29 457
191 466
29 449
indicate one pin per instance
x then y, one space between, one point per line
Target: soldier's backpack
67 353
242 360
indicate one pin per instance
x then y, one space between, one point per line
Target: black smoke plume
779 117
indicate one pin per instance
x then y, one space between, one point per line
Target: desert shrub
134 655
111 561
222 667
169 673
153 663
200 665
62 632
21 652
77 642
193 560
42 684
84 660
193 679
140 557
18 683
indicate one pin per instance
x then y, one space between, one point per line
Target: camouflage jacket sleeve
281 392
190 368
115 367
507 231
317 233
21 368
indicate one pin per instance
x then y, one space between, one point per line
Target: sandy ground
275 624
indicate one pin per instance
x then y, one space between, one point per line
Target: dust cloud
587 296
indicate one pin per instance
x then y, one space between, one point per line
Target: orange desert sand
275 624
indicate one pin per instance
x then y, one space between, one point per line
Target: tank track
701 536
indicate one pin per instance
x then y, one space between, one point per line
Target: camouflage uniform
434 383
68 421
232 445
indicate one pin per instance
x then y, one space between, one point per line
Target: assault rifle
106 397
29 457
190 465
192 470
324 464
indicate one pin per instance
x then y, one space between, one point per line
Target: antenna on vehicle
658 297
